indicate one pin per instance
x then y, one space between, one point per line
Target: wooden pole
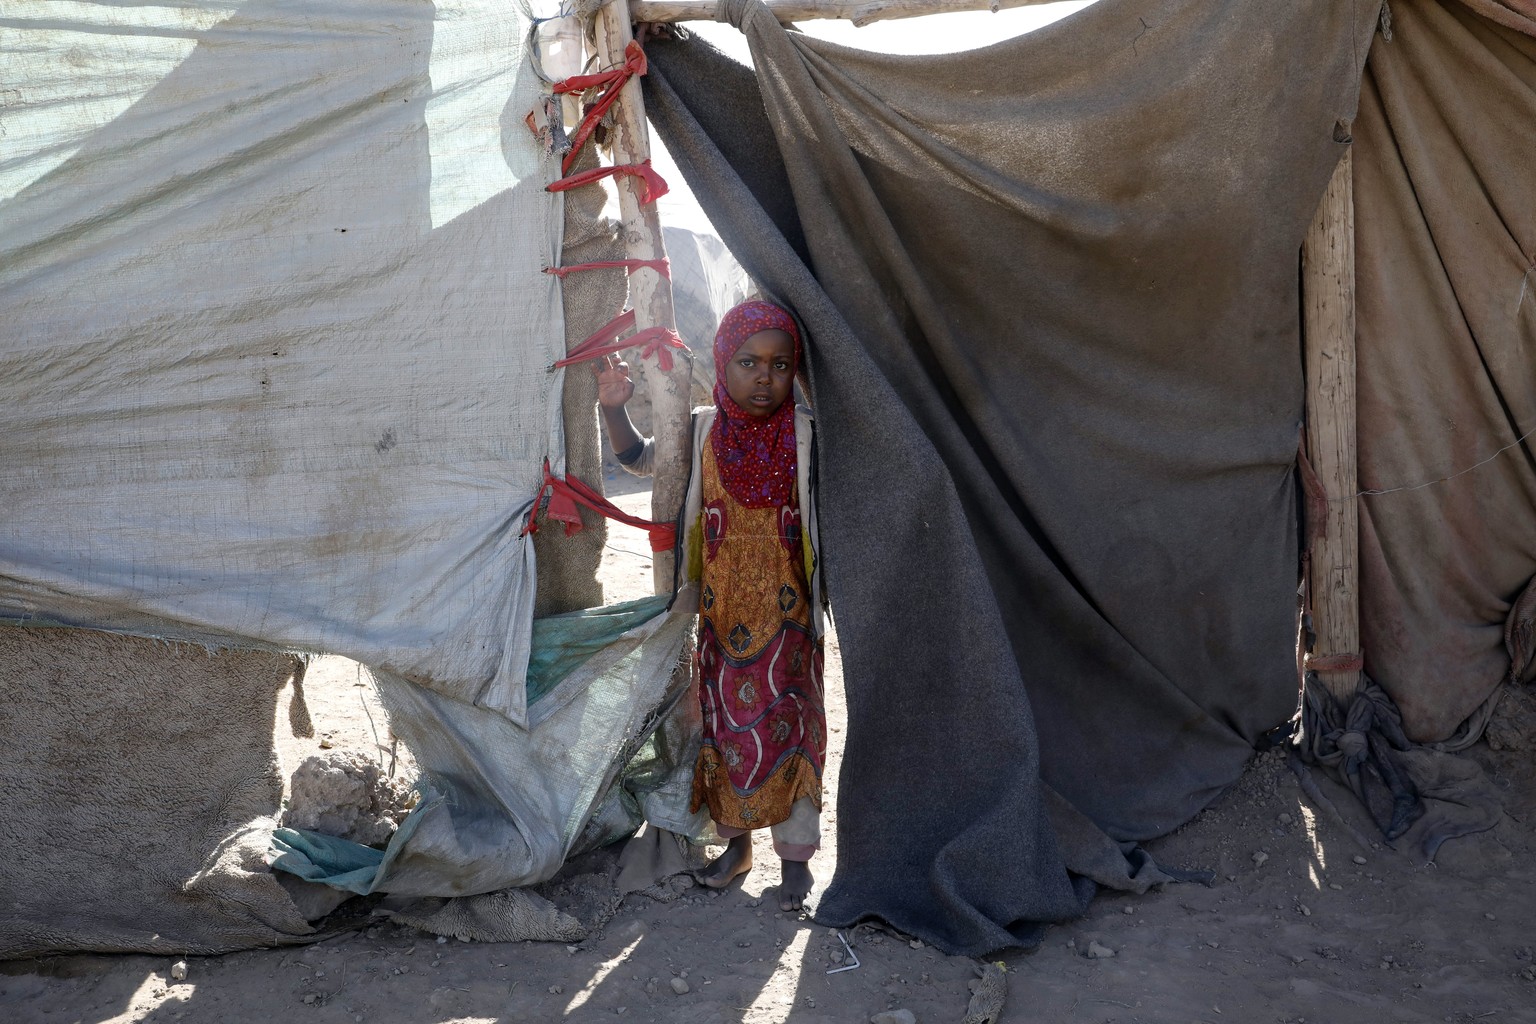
862 13
650 294
1328 328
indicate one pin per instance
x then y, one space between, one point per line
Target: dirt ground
1303 924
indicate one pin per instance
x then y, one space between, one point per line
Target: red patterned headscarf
754 454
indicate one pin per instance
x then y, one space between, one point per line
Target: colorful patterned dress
760 662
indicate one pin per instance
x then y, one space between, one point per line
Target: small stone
916 943
894 1017
1260 857
679 986
651 985
1306 911
1128 909
1490 917
810 1004
179 971
1358 859
557 990
744 945
1098 951
1335 886
621 1010
310 998
319 974
1214 944
837 956
1285 819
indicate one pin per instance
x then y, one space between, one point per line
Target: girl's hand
614 388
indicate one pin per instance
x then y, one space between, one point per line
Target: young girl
749 538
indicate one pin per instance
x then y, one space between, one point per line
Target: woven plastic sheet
274 358
505 806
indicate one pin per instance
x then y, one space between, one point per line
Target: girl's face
761 375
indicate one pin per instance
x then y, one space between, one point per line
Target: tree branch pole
1328 328
650 294
864 13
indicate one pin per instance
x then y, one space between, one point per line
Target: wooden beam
1328 329
650 294
863 13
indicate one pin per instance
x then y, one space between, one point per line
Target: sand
1303 924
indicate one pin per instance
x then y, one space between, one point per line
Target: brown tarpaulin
1445 201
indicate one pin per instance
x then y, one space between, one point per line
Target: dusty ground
1320 929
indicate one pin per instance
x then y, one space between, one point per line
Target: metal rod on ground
810 10
1328 327
650 294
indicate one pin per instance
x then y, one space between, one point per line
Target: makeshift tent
1050 291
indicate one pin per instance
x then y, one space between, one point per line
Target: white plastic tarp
275 343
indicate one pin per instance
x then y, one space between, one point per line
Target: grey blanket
1050 288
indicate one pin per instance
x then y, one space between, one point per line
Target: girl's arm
614 390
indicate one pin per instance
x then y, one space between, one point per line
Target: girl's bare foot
730 865
796 885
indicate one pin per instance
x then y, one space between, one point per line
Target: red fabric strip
653 341
597 343
565 495
652 185
662 266
1335 662
634 64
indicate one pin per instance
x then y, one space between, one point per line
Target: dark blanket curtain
1050 288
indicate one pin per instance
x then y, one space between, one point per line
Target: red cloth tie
565 495
652 185
653 341
662 266
613 81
